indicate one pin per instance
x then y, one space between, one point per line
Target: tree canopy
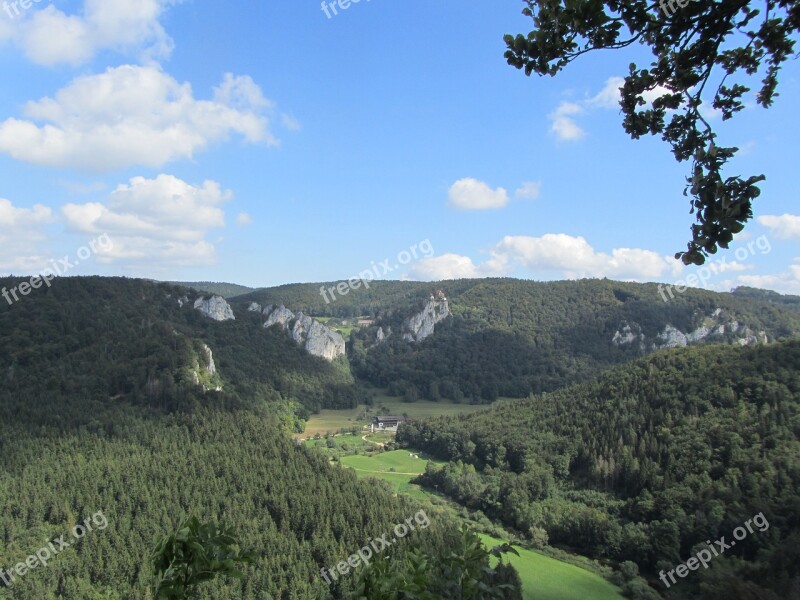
703 52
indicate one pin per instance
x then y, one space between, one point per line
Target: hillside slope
645 464
507 337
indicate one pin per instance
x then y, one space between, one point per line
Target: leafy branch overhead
696 45
194 554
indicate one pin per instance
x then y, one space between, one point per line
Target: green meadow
545 578
333 421
395 467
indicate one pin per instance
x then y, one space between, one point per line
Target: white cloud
243 219
290 123
787 282
563 122
447 266
157 222
784 227
133 115
22 230
48 36
574 257
564 126
563 255
471 194
79 188
529 190
610 95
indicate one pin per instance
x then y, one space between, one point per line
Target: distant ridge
226 290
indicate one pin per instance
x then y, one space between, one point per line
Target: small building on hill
387 423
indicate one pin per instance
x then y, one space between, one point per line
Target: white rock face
423 324
626 335
715 324
672 338
380 337
312 335
254 307
317 339
215 308
280 315
210 366
698 334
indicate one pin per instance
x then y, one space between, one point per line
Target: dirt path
371 442
382 472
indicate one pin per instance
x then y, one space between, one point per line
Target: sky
273 142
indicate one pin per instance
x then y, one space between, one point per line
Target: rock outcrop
205 371
313 336
254 307
423 324
215 308
715 326
280 315
381 336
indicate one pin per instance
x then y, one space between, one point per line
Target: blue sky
265 143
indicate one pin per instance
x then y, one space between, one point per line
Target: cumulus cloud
290 123
784 226
574 257
22 231
787 282
529 190
49 36
243 219
158 222
564 125
446 266
557 253
133 115
471 194
610 95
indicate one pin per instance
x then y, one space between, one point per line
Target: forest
644 464
101 414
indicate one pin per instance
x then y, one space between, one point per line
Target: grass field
545 578
380 465
331 421
343 442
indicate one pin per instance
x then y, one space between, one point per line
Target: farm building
387 423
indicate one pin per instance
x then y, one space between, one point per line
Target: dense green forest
113 337
226 290
109 409
644 464
511 338
110 404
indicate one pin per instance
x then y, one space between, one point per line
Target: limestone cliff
215 308
423 324
316 338
717 327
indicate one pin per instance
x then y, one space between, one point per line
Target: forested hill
109 409
507 337
226 290
645 464
116 339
